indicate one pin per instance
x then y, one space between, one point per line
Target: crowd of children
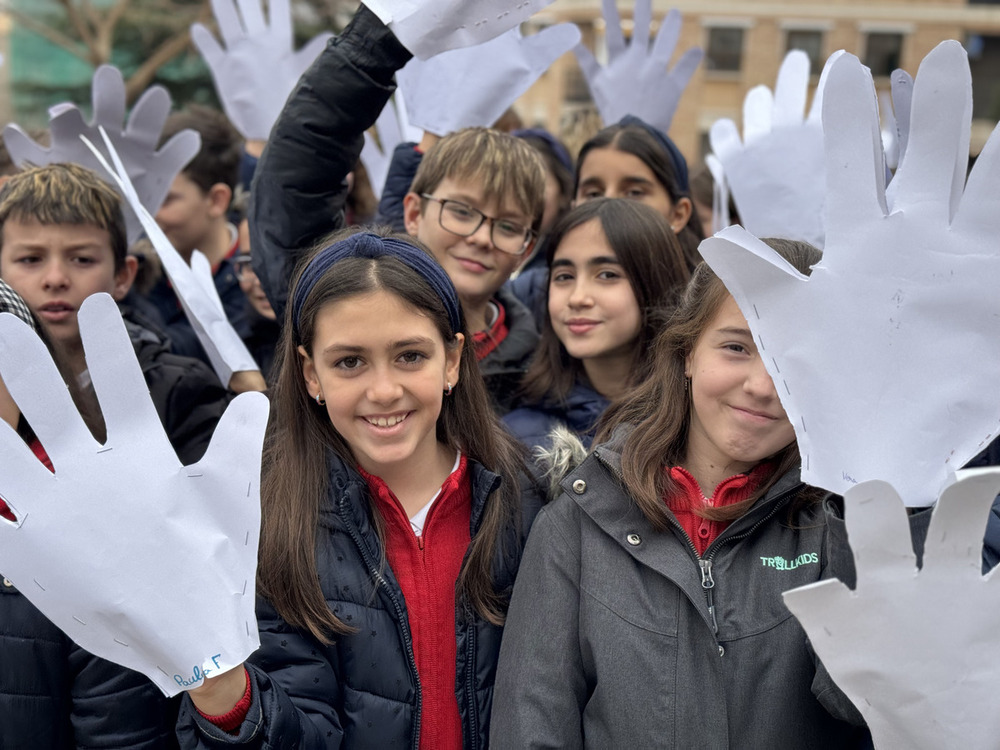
524 345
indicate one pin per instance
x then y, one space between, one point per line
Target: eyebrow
395 345
600 260
514 215
734 332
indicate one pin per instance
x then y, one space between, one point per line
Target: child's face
610 173
476 267
186 216
592 307
382 368
736 417
249 283
56 267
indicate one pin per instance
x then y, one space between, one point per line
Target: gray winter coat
619 636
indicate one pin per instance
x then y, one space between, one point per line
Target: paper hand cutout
886 357
775 172
895 110
193 284
152 171
138 559
475 85
392 128
636 80
915 653
430 27
259 67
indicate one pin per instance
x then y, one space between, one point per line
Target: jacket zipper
470 676
400 615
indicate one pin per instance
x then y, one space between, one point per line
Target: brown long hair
654 265
294 480
659 410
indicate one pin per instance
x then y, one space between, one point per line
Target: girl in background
392 520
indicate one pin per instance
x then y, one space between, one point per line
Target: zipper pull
707 582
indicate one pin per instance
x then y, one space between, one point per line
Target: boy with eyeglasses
476 200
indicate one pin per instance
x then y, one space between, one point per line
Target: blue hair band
368 245
676 157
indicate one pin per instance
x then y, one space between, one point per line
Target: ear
124 277
453 360
219 197
413 213
309 372
680 215
687 365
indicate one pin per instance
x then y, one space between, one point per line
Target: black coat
362 691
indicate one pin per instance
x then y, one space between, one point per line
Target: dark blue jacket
579 411
991 542
55 695
362 691
402 169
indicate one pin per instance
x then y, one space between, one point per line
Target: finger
686 66
108 96
902 98
816 109
879 533
852 140
642 16
202 270
238 440
613 36
666 38
65 127
981 203
790 89
228 21
253 17
170 160
208 46
40 393
725 139
933 174
21 477
819 607
280 16
954 542
148 117
129 414
544 48
758 109
23 151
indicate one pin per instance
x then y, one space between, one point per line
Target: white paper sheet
915 652
886 358
138 559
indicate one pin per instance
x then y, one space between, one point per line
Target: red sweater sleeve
231 720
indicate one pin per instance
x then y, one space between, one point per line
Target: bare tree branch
45 31
81 27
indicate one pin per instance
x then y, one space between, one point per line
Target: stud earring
447 391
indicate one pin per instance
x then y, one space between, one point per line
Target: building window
725 49
883 52
809 41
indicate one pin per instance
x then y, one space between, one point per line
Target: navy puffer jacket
362 691
579 411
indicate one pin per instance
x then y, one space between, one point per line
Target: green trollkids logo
783 563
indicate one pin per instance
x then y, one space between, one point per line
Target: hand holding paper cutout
193 284
886 357
776 172
152 171
916 653
259 67
430 27
138 559
474 86
636 80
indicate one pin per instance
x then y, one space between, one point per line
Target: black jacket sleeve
298 189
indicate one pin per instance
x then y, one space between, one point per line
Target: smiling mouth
755 414
390 421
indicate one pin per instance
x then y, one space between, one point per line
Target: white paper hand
776 172
886 357
636 80
474 86
392 128
152 171
138 559
430 27
915 653
193 284
259 67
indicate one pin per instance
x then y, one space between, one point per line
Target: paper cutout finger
475 85
636 80
430 27
138 559
902 309
915 653
193 284
151 170
258 67
391 129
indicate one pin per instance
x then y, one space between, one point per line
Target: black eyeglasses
459 218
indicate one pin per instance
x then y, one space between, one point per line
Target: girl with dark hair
391 519
632 159
662 564
614 268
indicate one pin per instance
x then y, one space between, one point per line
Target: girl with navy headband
393 519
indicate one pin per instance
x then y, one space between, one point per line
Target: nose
758 382
55 276
580 295
483 237
384 387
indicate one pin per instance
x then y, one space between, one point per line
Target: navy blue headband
367 245
676 157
